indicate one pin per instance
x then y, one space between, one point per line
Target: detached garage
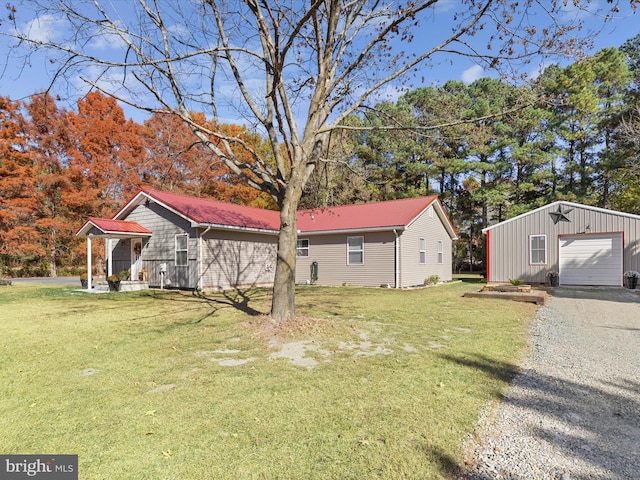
584 245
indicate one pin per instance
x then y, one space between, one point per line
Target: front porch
129 239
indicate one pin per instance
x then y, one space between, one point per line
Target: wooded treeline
490 150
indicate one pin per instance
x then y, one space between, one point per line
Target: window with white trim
538 249
440 252
182 249
423 250
302 248
355 250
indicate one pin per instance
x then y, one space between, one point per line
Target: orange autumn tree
106 150
178 161
60 201
19 238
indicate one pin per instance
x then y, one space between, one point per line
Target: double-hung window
182 249
423 250
538 249
355 250
440 252
302 248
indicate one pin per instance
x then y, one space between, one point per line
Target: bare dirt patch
306 342
266 328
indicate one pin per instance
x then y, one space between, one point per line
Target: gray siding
238 259
428 226
160 248
330 251
120 255
508 250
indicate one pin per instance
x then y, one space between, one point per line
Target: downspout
200 255
396 243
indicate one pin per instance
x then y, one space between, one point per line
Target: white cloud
109 37
571 12
472 74
45 28
446 5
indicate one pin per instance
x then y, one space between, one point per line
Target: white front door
136 257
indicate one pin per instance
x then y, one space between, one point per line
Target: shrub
124 275
516 281
432 280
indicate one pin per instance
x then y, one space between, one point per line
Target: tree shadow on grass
447 464
597 422
242 300
502 371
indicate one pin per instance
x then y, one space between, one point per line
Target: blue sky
18 80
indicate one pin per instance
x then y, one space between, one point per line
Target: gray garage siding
509 241
330 251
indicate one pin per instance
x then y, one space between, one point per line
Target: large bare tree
293 70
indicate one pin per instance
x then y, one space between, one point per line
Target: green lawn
167 385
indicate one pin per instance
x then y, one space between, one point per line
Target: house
188 242
585 245
399 243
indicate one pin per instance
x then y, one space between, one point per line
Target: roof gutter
210 226
352 230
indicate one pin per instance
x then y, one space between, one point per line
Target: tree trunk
284 283
52 256
283 301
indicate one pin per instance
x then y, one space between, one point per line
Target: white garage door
591 259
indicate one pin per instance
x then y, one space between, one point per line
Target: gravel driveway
574 411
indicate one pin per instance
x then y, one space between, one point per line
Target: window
440 252
182 242
538 249
355 250
302 248
423 251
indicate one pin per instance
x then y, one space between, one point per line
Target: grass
133 384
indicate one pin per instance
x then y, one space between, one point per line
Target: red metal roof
115 226
393 213
204 211
378 215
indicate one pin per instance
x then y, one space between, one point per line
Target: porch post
109 257
89 262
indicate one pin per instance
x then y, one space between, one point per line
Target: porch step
100 285
133 285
